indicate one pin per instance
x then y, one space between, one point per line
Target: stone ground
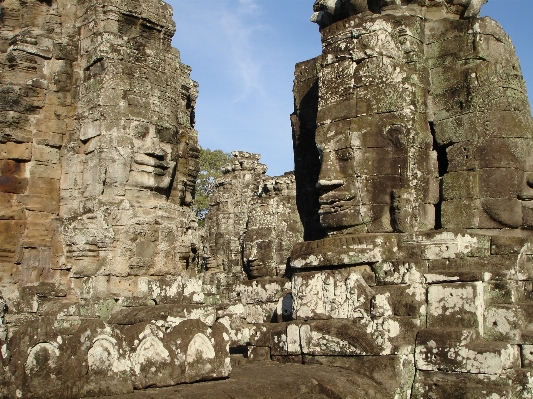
272 380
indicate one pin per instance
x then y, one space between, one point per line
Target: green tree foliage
211 163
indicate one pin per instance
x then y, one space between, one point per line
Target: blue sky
243 53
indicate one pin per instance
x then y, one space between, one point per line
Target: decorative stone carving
273 228
251 226
229 207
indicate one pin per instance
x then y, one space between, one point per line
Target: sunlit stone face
365 164
153 164
497 180
378 169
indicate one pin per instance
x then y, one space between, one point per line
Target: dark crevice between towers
442 162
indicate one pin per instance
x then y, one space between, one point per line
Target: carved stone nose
155 152
153 148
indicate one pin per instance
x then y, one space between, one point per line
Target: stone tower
416 128
98 162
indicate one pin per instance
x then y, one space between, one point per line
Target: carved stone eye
167 134
345 154
140 131
396 134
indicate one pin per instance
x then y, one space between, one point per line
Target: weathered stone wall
36 113
99 158
410 308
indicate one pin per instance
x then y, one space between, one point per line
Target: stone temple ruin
400 249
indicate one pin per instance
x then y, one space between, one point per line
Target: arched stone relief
42 358
200 353
149 350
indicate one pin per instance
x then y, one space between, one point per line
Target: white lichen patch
150 350
293 339
490 362
416 281
205 314
312 260
200 348
501 323
447 245
459 300
381 306
104 356
320 344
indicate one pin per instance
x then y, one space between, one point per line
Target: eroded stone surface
412 137
98 162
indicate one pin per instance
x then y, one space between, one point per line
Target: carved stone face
504 181
153 164
357 182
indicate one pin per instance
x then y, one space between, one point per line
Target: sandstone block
50 171
395 373
13 177
458 304
457 351
48 139
503 245
402 300
460 385
382 336
349 250
258 353
46 154
460 214
460 185
39 203
19 152
135 315
340 294
471 269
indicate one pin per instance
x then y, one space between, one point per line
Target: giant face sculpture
330 11
378 171
399 109
131 165
154 153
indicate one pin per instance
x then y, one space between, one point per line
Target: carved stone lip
335 207
525 197
147 160
148 164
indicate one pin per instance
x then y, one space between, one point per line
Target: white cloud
249 7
